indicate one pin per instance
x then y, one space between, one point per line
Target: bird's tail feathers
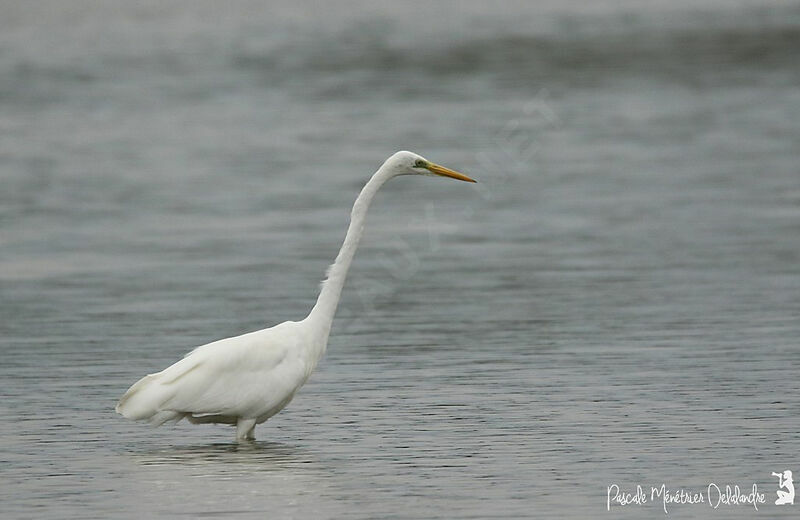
149 398
146 400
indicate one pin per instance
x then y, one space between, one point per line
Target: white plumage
247 379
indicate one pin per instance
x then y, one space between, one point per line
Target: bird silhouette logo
785 488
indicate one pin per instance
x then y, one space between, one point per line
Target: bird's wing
242 376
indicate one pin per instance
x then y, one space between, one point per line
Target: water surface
616 302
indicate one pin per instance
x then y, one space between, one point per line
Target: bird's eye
419 163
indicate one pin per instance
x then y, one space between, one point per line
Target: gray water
616 302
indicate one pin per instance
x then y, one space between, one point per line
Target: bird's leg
245 428
251 433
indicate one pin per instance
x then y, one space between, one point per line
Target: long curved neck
325 308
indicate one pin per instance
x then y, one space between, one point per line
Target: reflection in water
230 458
225 479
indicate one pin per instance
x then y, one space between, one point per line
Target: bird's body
245 380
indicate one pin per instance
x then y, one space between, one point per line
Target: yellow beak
447 172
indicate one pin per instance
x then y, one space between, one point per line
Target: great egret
247 379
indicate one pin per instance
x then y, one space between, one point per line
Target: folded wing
245 376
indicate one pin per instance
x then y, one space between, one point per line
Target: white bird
247 379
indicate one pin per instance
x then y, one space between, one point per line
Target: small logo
784 483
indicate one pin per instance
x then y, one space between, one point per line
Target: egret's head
409 163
